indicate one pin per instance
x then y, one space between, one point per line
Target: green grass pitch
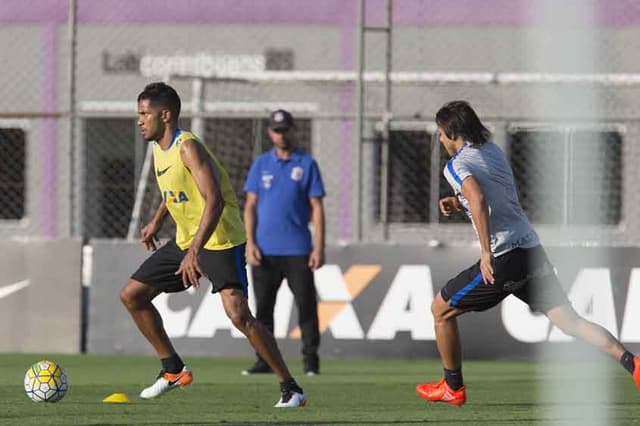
346 393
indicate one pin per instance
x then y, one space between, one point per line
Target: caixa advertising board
40 296
374 302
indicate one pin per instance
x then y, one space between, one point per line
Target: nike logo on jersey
12 288
161 172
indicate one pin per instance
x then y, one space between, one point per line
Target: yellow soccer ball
45 381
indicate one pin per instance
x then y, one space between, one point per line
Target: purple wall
326 12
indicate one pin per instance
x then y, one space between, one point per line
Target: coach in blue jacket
284 193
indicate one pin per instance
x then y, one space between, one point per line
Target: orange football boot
441 392
636 371
166 382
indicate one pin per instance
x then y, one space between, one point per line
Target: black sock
453 378
627 361
173 364
290 385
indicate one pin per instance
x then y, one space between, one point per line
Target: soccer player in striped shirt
512 261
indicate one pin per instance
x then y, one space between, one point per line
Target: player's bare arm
450 205
200 165
252 250
316 258
149 231
480 216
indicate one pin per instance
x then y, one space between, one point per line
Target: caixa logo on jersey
401 305
175 197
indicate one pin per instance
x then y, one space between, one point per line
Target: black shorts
524 272
224 268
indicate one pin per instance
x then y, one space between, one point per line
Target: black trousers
266 281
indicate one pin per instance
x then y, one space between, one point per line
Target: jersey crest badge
296 173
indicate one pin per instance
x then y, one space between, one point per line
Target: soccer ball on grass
45 381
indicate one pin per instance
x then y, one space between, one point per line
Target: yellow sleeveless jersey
185 203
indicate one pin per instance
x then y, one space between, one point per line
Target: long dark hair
457 118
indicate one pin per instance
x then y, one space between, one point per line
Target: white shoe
166 382
290 399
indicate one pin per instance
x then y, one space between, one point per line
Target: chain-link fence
235 142
570 130
12 188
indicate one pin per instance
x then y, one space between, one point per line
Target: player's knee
130 298
434 308
439 308
126 297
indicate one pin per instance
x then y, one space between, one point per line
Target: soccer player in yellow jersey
210 241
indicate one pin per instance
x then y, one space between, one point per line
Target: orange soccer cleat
441 392
166 382
636 371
